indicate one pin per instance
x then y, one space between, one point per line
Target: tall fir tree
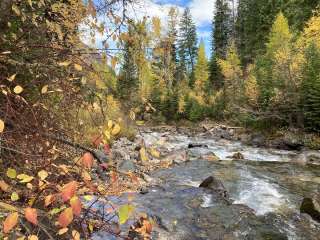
310 94
187 47
221 31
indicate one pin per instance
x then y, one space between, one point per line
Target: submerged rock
210 157
311 207
197 145
237 156
216 185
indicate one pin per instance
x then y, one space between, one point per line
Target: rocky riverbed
265 188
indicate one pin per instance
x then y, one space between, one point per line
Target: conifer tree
310 94
221 29
187 44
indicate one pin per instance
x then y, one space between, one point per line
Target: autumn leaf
12 77
10 222
116 130
48 200
44 89
43 174
31 215
143 155
4 186
33 237
18 89
66 217
69 190
87 160
124 213
24 178
11 173
1 126
155 153
14 196
76 205
64 64
75 235
77 67
63 231
110 124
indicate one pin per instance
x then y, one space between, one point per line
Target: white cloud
202 11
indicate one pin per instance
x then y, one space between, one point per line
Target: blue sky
201 10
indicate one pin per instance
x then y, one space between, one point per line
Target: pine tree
221 29
187 44
310 98
128 78
254 20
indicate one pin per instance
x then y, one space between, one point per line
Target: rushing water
266 181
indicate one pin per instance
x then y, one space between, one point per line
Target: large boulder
311 206
215 185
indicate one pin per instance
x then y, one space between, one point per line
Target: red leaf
31 215
87 160
69 190
76 205
10 222
106 148
66 217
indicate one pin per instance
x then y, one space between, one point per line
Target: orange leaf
31 215
10 222
4 186
66 217
114 177
48 200
87 160
76 205
69 190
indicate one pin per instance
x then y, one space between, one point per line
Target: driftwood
97 154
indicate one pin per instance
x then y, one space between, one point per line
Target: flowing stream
266 188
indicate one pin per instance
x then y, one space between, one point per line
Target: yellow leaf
132 115
66 217
24 178
12 77
124 213
63 231
64 64
10 222
43 174
116 130
110 124
75 235
44 89
4 186
18 89
155 153
14 196
16 10
107 134
88 198
33 237
11 173
77 67
140 123
1 126
143 155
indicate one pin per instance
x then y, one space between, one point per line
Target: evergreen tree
221 29
254 20
310 98
128 78
187 44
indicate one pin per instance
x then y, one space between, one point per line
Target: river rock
197 145
257 140
237 156
216 185
308 157
210 157
311 206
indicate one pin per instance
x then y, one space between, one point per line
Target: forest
77 117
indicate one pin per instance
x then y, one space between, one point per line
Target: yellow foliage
311 32
251 87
